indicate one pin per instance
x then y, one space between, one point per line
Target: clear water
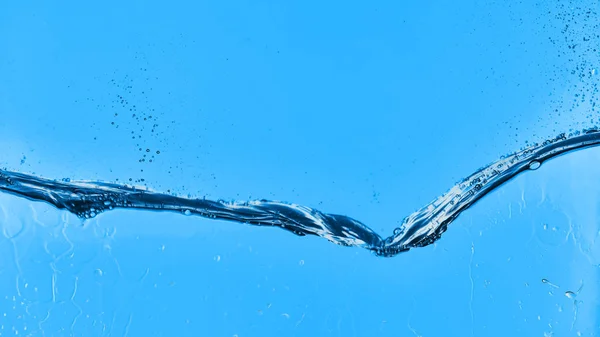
422 228
130 131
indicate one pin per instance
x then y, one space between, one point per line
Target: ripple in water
425 226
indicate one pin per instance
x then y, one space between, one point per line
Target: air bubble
534 165
187 212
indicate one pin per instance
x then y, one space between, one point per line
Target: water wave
86 199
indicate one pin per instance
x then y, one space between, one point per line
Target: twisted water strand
421 228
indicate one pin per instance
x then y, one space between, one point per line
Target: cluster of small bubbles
475 181
89 213
132 109
579 29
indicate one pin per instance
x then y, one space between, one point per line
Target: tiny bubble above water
187 212
534 165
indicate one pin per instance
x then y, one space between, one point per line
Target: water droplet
549 283
534 165
98 272
187 212
218 258
570 294
301 262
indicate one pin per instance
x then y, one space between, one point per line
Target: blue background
365 109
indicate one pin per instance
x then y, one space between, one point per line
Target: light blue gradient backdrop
364 109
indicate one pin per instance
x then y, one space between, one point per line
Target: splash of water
87 199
